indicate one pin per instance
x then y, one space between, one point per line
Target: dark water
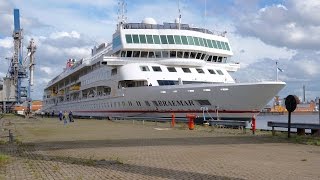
262 120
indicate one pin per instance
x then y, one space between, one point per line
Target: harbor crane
13 92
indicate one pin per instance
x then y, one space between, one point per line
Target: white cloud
307 10
95 3
6 42
47 70
290 25
248 50
78 52
310 67
58 35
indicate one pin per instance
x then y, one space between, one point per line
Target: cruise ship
151 70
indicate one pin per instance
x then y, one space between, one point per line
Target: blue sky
261 32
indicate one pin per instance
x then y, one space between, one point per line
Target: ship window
201 42
149 39
156 68
206 57
193 55
209 43
143 38
190 39
224 59
219 59
219 44
214 59
211 71
198 56
179 54
114 71
203 55
156 39
223 46
210 58
166 82
173 54
128 38
165 54
144 54
158 54
136 53
186 54
205 42
171 69
135 38
144 68
227 46
129 53
204 102
151 54
196 41
186 70
214 43
177 39
184 40
170 39
219 72
164 39
200 71
123 54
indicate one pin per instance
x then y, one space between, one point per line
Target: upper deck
170 36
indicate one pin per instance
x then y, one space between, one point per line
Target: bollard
253 124
10 136
191 118
173 121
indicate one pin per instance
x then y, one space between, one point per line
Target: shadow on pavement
187 141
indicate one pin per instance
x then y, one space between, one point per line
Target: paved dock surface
102 149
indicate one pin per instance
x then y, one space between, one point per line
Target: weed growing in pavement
4 159
116 160
90 161
2 142
56 168
119 161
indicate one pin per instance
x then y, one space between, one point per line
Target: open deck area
45 148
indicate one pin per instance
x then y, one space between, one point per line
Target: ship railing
172 26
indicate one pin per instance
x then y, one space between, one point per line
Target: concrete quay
45 148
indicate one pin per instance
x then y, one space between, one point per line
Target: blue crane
19 66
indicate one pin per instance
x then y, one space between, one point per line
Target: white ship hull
227 101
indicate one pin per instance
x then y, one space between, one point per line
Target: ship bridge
170 40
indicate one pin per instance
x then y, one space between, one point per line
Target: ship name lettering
173 103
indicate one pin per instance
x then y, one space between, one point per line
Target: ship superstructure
153 69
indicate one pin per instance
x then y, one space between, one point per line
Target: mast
122 11
205 16
179 12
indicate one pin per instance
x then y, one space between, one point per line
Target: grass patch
4 159
2 142
307 139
